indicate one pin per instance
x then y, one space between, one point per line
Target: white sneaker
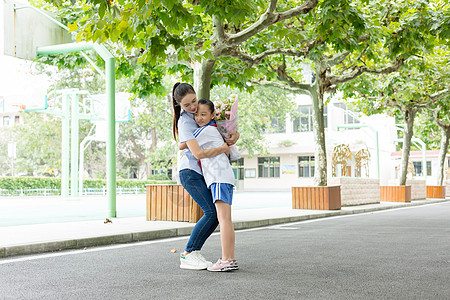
192 261
208 263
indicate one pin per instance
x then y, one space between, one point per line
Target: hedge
17 183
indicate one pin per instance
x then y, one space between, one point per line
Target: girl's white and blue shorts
222 191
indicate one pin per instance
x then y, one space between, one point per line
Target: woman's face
203 115
189 103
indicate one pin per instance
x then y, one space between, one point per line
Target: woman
185 103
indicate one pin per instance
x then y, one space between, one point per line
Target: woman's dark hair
178 92
207 102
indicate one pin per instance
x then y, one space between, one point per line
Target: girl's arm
204 153
234 136
182 146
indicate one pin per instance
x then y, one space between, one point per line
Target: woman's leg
227 236
195 185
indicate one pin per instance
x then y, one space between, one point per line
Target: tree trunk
154 140
408 117
202 78
320 152
445 131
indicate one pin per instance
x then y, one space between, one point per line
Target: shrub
17 183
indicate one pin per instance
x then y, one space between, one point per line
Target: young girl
219 179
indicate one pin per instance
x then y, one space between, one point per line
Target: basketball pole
110 118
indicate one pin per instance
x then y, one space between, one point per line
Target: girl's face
189 103
203 115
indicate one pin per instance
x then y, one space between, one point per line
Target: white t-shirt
186 128
217 168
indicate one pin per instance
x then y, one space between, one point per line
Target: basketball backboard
24 28
122 106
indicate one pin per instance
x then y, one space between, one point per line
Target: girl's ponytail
176 112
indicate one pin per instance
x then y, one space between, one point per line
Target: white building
291 144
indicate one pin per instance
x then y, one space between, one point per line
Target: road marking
119 246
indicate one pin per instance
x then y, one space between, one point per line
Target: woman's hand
234 136
227 149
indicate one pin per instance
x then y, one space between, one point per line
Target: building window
6 121
418 168
277 125
238 169
304 123
306 166
269 167
250 173
349 115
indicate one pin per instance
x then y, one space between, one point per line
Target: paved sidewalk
54 224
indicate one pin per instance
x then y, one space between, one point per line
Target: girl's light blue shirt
186 128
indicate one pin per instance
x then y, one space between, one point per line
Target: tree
341 41
440 102
38 144
441 115
415 87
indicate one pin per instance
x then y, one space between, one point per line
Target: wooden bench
320 197
171 202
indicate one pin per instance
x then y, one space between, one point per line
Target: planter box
418 187
171 202
401 193
436 191
357 191
320 197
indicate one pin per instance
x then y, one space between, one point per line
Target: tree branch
363 69
256 59
231 66
335 60
298 90
284 77
394 103
436 96
220 30
441 123
270 17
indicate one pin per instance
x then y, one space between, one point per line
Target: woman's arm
204 153
182 146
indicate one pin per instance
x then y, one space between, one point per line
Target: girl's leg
195 185
227 236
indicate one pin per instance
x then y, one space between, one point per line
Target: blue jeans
195 185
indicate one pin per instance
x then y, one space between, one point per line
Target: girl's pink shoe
223 266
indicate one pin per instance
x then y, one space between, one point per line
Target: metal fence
56 192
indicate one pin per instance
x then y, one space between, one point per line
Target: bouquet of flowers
227 121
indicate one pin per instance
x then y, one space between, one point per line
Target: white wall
305 145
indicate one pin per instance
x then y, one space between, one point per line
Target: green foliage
17 183
425 128
38 142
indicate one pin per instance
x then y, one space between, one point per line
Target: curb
53 246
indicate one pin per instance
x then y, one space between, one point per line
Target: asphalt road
395 254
